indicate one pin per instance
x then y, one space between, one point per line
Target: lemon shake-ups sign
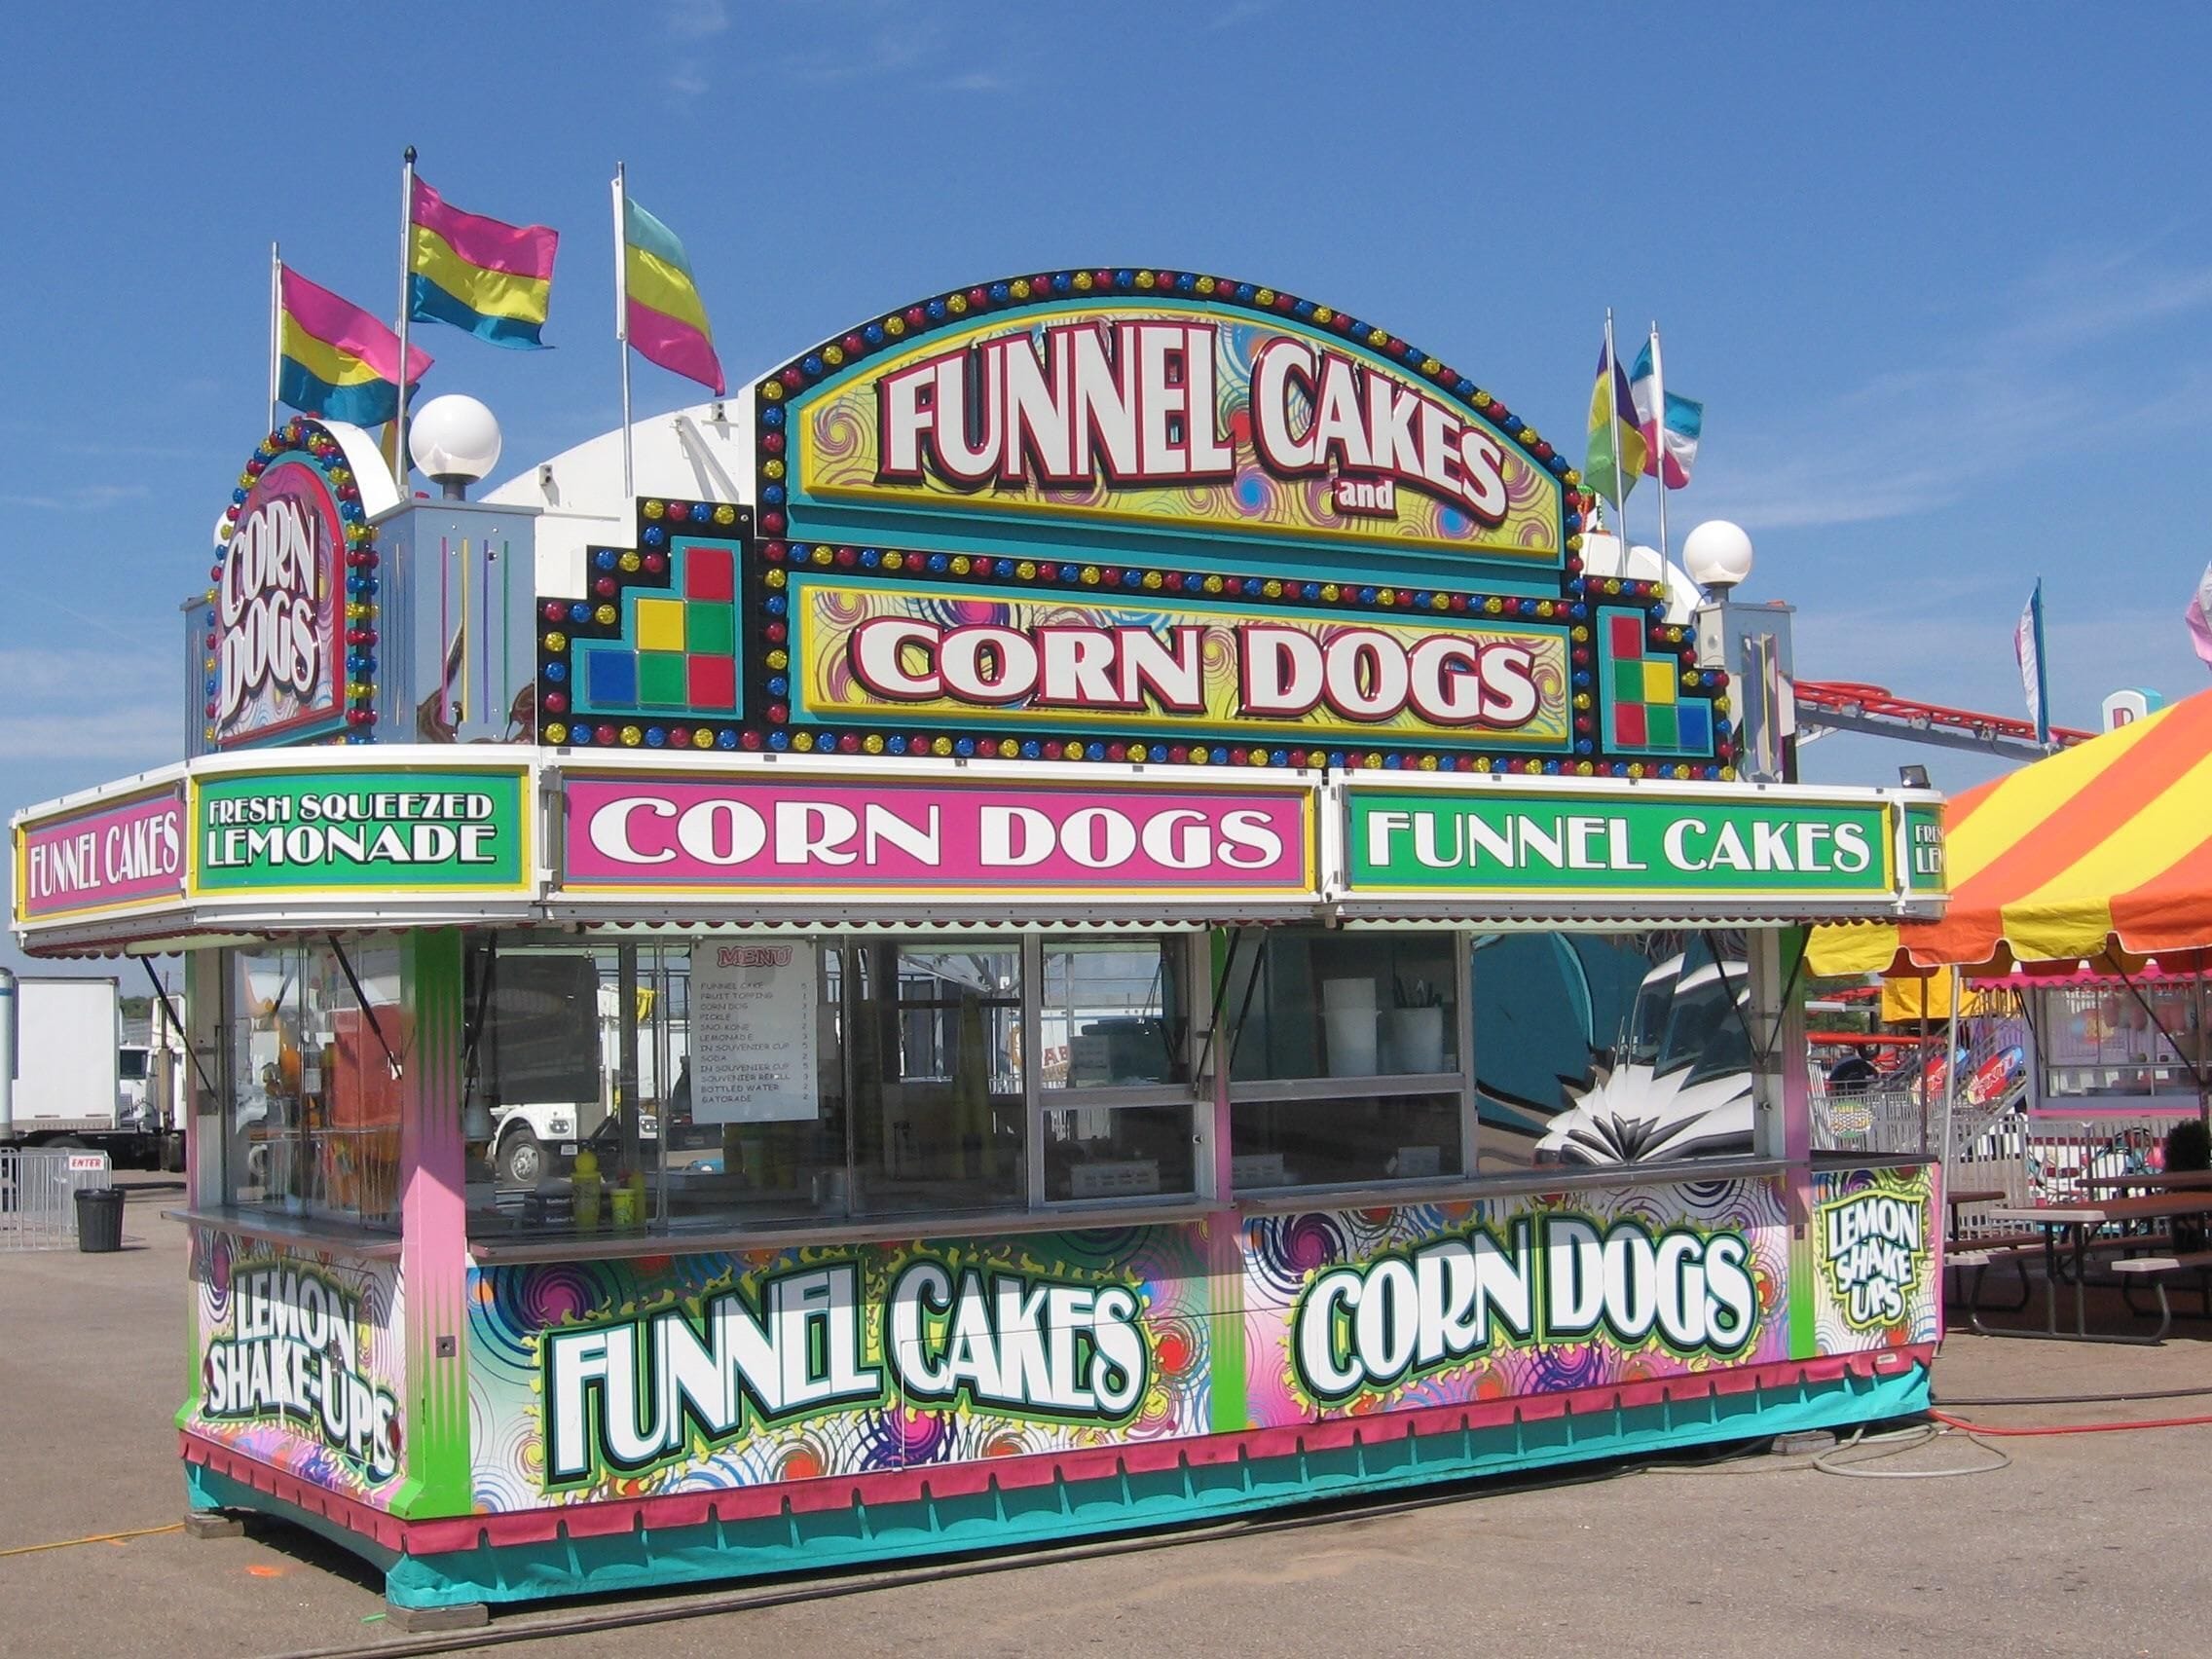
1604 842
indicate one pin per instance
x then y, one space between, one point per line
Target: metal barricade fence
1892 1120
38 1194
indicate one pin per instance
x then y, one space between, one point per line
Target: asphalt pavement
2088 1544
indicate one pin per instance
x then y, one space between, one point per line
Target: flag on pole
335 359
1670 443
491 278
2199 614
1616 445
664 321
2027 651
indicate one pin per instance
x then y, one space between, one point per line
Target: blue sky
1942 275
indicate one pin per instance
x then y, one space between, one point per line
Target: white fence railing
38 1194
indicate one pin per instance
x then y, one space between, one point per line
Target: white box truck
68 1079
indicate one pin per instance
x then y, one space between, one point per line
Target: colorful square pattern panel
1650 711
674 651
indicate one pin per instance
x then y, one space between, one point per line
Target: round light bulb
454 439
1717 554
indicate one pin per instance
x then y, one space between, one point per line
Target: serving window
1346 1057
311 1106
726 1081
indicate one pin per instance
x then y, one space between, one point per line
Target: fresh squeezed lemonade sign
276 603
336 830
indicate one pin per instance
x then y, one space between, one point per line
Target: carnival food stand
1074 916
2081 912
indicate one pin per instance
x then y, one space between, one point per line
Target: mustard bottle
587 1188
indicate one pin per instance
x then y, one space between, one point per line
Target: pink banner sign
131 854
883 836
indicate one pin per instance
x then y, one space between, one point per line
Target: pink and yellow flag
493 278
664 321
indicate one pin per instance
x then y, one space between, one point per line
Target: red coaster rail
1849 705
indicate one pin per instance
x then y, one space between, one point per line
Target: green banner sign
1924 850
1599 844
398 831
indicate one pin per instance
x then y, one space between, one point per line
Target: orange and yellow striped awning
2103 848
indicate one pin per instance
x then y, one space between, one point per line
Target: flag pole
1613 403
1658 442
622 311
2043 675
400 465
276 326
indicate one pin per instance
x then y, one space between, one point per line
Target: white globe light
1717 554
454 439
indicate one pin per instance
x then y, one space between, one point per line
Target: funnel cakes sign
1134 515
1119 412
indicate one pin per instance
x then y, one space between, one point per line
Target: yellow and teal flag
1617 449
491 278
663 320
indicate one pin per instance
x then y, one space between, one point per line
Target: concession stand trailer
1073 916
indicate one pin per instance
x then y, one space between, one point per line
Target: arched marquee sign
1134 514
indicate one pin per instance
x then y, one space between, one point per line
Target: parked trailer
63 1070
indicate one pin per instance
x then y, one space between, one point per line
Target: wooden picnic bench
2083 1225
2157 1269
2151 1181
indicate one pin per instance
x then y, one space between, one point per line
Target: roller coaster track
1845 705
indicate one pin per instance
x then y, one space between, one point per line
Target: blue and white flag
2027 651
1669 446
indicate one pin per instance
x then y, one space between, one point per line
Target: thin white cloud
695 19
135 736
1242 12
1912 440
884 51
83 498
94 702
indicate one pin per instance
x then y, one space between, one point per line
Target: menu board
752 1033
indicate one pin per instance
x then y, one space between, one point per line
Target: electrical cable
95 1538
2075 1399
1967 1428
1894 1444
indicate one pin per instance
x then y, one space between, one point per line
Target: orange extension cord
2069 1427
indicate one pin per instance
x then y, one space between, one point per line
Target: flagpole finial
408 155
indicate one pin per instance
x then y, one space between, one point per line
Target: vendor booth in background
1078 916
2080 914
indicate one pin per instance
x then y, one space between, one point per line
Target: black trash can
99 1219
